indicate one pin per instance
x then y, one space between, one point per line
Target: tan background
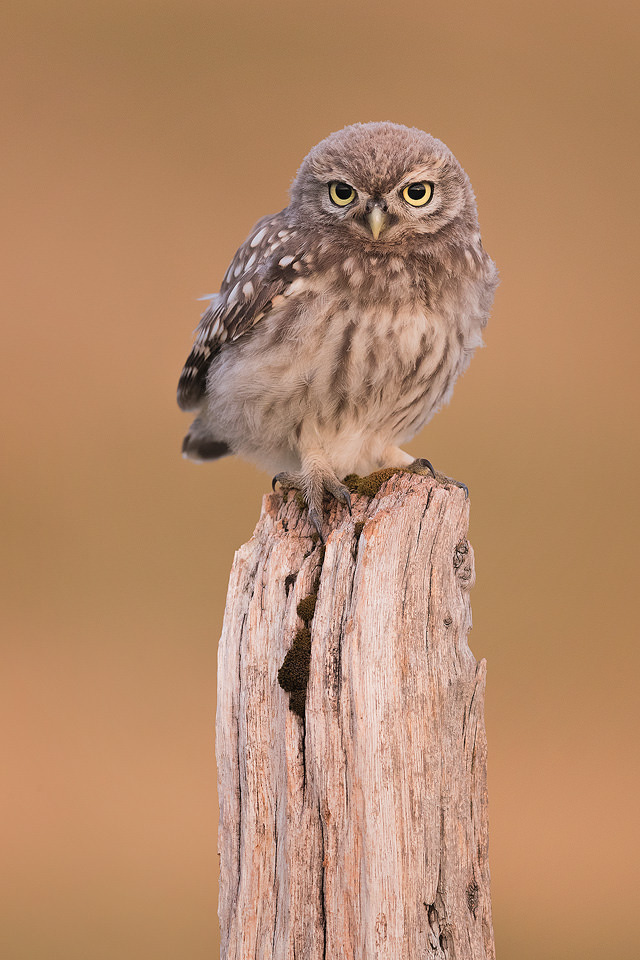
141 140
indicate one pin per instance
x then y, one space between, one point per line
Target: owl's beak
377 221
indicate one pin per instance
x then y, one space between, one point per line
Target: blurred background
141 141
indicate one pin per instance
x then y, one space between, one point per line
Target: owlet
343 321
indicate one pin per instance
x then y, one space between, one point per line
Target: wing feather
264 267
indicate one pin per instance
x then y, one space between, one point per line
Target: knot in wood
473 897
460 552
463 564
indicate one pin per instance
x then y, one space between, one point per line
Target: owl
343 321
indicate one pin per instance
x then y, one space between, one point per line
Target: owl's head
383 183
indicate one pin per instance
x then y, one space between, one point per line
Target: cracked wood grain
358 831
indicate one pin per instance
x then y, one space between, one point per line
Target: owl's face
383 184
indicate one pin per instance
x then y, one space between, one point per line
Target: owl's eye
341 193
418 194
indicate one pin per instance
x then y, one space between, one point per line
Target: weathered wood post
353 815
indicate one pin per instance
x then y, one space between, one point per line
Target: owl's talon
463 486
442 478
316 520
345 496
339 491
421 464
286 481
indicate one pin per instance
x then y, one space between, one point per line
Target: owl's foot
312 484
425 468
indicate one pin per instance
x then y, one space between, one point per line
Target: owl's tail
199 445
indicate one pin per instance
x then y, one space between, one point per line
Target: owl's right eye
341 193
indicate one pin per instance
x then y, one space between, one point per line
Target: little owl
343 321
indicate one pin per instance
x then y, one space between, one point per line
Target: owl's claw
442 478
286 481
459 483
316 520
420 465
339 491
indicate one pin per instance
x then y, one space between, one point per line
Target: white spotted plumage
251 285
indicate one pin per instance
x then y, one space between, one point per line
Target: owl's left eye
342 194
418 194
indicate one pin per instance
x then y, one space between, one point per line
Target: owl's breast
400 352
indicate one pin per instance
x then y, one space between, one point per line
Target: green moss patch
293 675
369 486
307 607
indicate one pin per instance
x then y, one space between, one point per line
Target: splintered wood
353 815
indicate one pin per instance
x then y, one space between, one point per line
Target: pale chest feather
375 352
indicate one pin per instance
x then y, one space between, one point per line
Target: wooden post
353 814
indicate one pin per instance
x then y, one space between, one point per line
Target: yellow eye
418 194
341 193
